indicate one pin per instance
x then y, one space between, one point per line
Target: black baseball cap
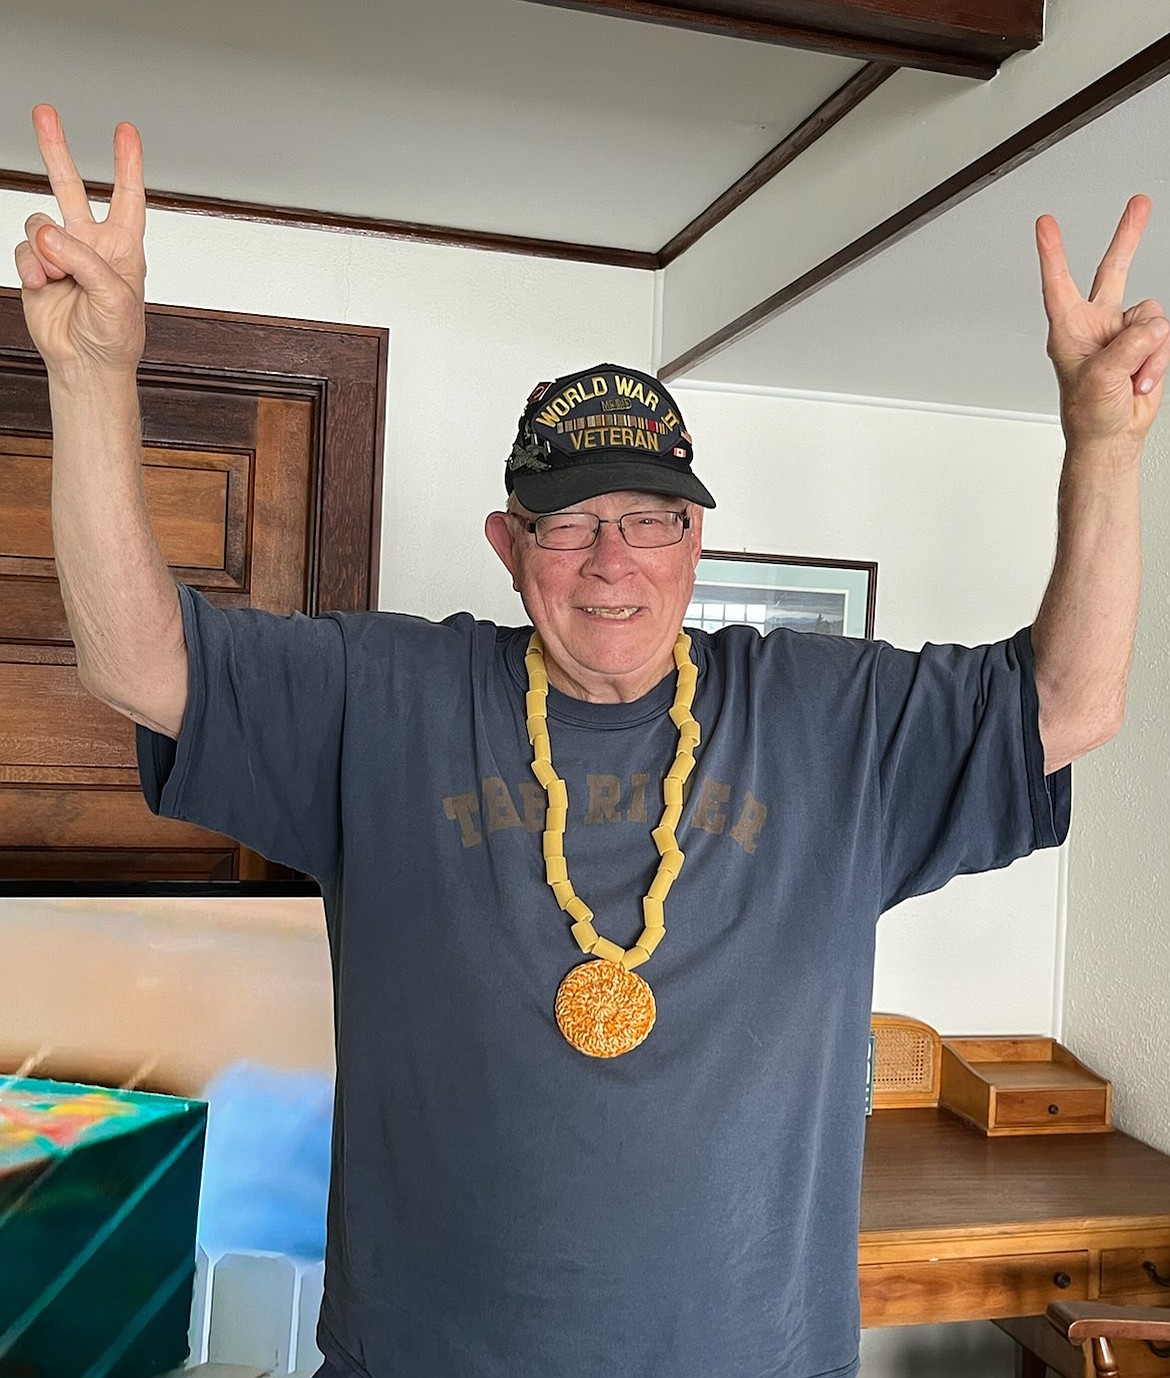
602 430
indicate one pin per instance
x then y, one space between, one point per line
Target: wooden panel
25 474
31 611
175 412
111 864
1125 1276
32 616
108 777
1050 1108
968 39
187 497
48 719
185 492
198 502
929 1176
967 1288
281 518
41 816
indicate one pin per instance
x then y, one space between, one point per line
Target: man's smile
614 614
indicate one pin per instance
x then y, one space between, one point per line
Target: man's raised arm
1111 365
83 287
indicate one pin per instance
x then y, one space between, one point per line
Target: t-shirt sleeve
258 757
961 764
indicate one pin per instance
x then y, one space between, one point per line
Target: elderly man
601 895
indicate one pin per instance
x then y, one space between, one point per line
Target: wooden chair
1099 1324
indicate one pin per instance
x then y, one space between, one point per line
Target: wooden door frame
341 368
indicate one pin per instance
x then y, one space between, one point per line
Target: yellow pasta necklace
605 1008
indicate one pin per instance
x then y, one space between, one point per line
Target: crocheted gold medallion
603 1009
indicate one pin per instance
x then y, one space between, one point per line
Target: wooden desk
957 1226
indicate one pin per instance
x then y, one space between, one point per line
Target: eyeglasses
579 530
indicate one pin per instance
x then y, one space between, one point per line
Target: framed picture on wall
830 597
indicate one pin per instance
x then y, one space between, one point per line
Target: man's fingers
1109 282
1152 370
1060 291
29 267
67 186
72 258
128 202
1141 352
1143 311
32 227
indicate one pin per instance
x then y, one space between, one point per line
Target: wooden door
262 479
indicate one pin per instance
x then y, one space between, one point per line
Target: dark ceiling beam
1099 97
961 37
374 226
839 104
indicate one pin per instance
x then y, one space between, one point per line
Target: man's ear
498 529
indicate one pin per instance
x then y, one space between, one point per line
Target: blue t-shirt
501 1205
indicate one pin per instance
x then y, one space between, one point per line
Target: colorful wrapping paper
99 1192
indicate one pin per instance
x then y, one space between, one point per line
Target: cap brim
557 488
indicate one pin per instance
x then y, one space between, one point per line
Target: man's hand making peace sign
1110 361
84 279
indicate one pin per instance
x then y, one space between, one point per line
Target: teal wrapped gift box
99 1192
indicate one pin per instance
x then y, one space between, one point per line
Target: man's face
609 615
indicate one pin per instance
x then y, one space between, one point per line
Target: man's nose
609 555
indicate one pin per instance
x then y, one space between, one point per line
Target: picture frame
830 597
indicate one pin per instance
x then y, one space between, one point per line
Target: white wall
1117 1014
959 513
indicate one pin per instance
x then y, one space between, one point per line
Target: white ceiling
952 313
512 117
493 115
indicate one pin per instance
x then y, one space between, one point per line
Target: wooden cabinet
956 1225
957 1289
263 444
1009 1084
